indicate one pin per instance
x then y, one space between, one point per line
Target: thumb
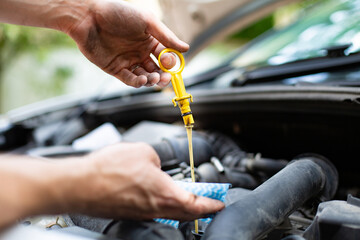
164 35
183 205
196 206
201 206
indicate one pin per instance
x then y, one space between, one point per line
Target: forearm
34 187
109 183
56 14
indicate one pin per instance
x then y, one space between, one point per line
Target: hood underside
202 22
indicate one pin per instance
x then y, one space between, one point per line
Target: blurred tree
282 17
16 40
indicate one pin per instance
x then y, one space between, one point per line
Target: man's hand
113 34
124 181
120 38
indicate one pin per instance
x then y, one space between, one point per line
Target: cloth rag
211 190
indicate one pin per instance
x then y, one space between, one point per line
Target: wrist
51 186
55 14
31 187
70 13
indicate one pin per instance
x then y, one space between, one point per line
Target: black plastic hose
257 213
175 150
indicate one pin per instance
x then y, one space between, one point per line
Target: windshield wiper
334 61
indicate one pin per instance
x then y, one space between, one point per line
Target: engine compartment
247 138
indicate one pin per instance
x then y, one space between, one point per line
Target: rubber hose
170 149
222 145
257 213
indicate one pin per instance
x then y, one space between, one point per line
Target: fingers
166 38
203 205
140 77
152 78
164 35
146 74
194 208
144 149
131 79
154 157
165 77
168 60
176 203
150 65
198 206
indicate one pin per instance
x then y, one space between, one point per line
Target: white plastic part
102 136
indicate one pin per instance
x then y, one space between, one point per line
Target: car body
280 114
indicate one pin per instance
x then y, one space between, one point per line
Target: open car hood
202 22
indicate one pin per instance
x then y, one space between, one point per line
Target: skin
123 181
112 34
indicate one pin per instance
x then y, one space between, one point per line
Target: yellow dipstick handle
181 97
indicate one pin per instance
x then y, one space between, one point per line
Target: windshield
327 24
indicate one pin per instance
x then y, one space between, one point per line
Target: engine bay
291 162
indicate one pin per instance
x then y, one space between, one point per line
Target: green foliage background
16 40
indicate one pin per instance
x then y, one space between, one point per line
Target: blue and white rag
211 190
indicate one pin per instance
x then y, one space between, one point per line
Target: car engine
292 168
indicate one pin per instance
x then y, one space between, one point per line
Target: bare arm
112 34
55 14
121 181
32 186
